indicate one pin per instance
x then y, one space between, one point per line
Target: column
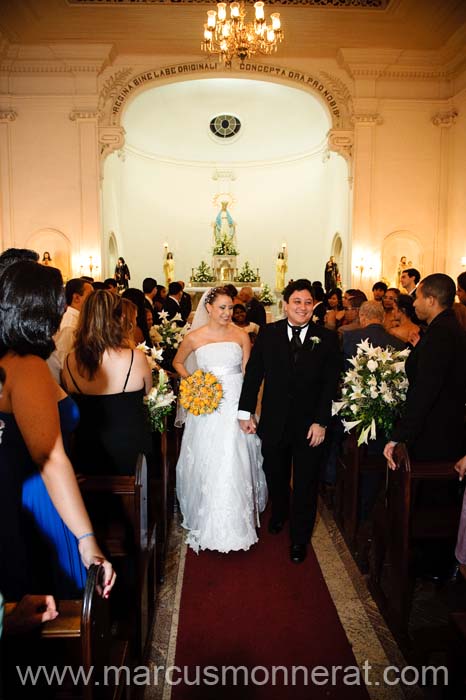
363 174
444 120
89 182
6 180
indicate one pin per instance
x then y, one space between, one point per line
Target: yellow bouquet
200 393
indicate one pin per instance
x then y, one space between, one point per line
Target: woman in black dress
122 275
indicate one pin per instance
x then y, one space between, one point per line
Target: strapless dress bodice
222 359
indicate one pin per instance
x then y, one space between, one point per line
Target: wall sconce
92 267
360 268
463 261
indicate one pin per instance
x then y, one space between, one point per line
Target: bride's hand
248 426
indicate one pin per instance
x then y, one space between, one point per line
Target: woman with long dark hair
46 537
108 379
122 275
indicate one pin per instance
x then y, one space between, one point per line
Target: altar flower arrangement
168 334
225 246
200 393
266 297
246 274
203 274
373 391
159 401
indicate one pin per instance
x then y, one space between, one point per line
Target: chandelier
235 38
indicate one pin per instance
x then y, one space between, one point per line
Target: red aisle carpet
255 609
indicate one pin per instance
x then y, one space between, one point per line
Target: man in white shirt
76 291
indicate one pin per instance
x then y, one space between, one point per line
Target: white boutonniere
2 428
315 319
315 340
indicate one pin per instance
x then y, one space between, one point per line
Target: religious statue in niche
281 268
402 265
224 232
331 274
169 269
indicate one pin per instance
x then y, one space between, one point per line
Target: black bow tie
296 342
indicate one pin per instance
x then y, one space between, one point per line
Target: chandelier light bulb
234 9
270 35
259 8
221 11
211 21
207 33
275 17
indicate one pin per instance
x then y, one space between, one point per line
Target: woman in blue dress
46 538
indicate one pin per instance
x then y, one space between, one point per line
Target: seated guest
141 331
255 311
391 295
404 314
239 319
108 380
46 539
172 303
371 316
461 288
379 290
98 285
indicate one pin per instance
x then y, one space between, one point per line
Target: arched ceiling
277 122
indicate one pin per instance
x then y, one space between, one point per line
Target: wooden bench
80 637
352 465
402 522
118 508
162 488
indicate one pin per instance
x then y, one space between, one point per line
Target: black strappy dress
112 431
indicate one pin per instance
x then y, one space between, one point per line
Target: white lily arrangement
167 333
373 392
154 356
159 401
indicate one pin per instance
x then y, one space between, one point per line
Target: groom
300 363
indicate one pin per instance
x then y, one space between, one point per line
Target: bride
219 479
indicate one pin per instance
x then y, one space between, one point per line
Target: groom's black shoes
298 553
276 526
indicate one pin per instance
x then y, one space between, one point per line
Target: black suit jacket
255 313
295 395
185 306
172 308
433 423
377 336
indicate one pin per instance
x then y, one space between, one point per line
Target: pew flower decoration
153 355
168 333
373 391
200 393
159 401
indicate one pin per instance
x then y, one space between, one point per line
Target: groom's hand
248 426
316 435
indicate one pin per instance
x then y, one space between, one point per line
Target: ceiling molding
331 4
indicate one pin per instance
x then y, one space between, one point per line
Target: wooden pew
402 522
352 465
79 637
118 508
162 487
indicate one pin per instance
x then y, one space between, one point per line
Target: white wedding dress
219 479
